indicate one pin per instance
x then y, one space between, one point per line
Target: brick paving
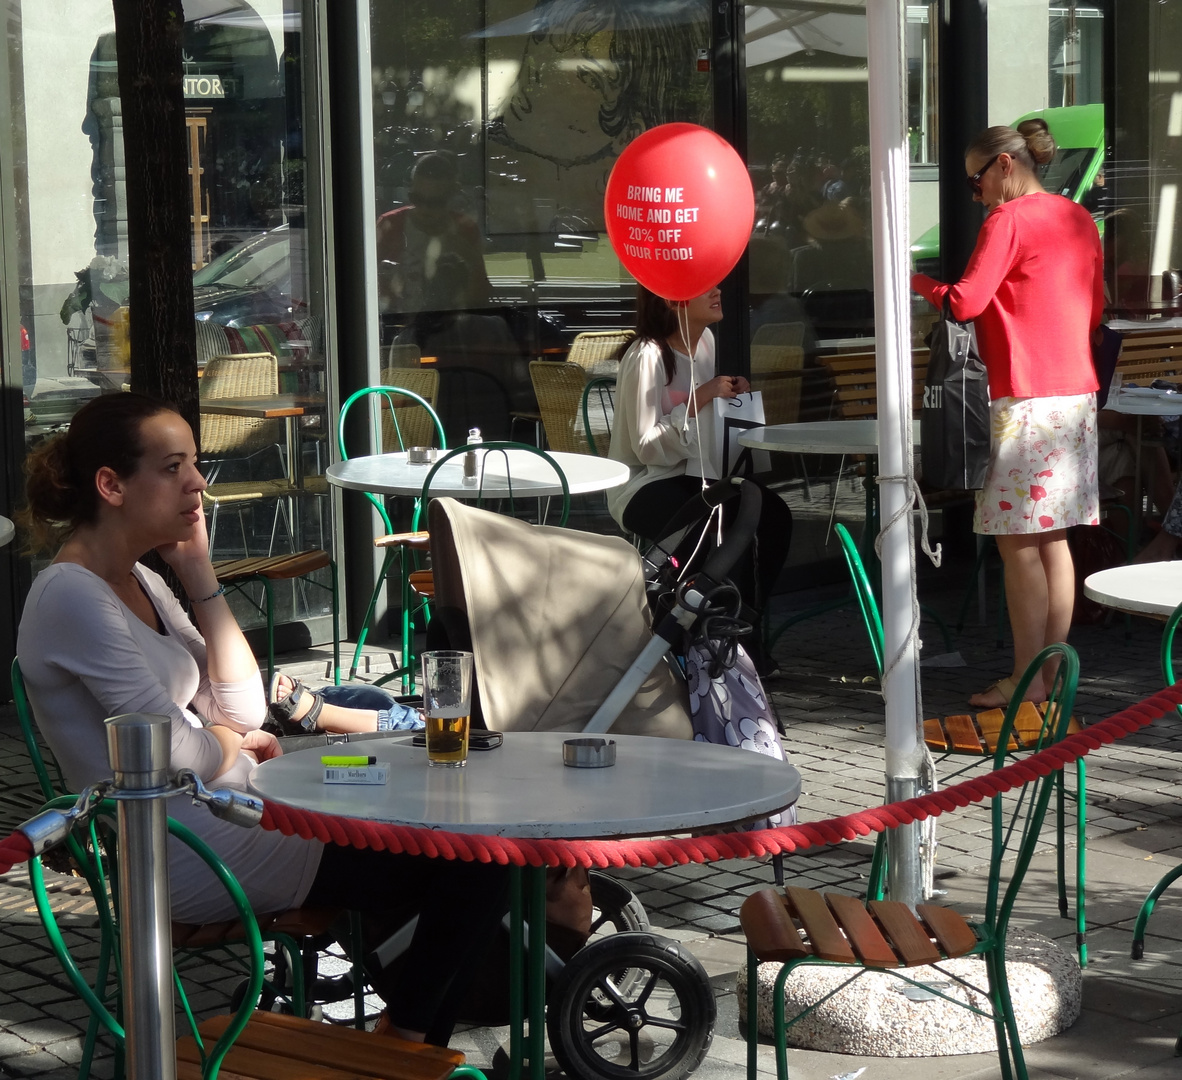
832 715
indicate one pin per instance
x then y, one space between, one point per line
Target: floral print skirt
1042 466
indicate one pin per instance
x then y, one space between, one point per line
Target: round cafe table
7 531
522 789
1152 588
532 477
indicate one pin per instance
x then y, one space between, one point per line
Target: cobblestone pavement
832 714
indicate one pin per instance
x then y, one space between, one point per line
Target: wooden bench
1146 355
855 382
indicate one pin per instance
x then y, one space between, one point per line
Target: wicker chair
241 375
559 390
415 425
595 351
402 356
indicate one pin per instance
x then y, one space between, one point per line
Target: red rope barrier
15 849
602 854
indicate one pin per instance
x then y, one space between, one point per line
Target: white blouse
652 432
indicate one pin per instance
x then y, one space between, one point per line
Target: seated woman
101 635
659 392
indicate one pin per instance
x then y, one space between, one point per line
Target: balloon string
681 309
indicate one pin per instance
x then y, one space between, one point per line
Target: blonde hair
1030 143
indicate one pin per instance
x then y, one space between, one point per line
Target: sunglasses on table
974 181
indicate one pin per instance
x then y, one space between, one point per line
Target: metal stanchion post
139 748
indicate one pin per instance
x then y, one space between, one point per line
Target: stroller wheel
659 1022
616 907
616 910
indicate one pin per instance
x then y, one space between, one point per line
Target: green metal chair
406 419
422 582
961 736
298 934
24 716
247 1043
885 936
485 494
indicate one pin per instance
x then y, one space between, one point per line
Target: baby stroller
560 627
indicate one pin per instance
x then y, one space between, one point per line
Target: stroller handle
740 534
716 567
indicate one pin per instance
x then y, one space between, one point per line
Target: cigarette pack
377 773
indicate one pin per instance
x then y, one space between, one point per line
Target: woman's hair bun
1039 142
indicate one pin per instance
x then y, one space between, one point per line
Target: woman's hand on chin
188 553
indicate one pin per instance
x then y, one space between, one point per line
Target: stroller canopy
556 617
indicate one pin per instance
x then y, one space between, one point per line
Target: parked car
261 280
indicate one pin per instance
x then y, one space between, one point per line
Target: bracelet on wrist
212 596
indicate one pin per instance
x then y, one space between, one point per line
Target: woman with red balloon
666 378
691 181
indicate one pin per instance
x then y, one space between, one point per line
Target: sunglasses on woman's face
974 181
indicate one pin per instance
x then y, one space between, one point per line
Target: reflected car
261 280
1079 158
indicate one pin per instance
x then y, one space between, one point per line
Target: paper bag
719 427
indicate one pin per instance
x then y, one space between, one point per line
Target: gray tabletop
1153 588
1145 401
819 437
523 790
390 474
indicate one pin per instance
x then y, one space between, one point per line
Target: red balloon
679 208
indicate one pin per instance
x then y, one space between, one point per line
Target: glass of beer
447 700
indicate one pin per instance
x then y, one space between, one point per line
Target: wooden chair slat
302 1049
824 934
245 1064
1027 724
416 541
334 1033
422 583
963 735
933 734
990 721
906 933
1073 725
948 927
862 931
769 928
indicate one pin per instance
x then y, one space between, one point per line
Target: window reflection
496 126
257 308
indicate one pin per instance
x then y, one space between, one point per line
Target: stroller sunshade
556 617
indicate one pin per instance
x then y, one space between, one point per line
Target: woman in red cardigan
1035 289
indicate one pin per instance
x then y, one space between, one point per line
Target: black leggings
459 904
755 574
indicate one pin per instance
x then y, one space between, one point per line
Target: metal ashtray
589 753
420 455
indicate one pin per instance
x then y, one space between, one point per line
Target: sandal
282 710
1004 688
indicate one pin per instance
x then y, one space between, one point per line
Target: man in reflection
415 240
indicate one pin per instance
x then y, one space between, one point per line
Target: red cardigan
1035 289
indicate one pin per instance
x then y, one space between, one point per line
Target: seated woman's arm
231 691
85 633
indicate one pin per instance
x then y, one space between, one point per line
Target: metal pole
892 320
139 748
